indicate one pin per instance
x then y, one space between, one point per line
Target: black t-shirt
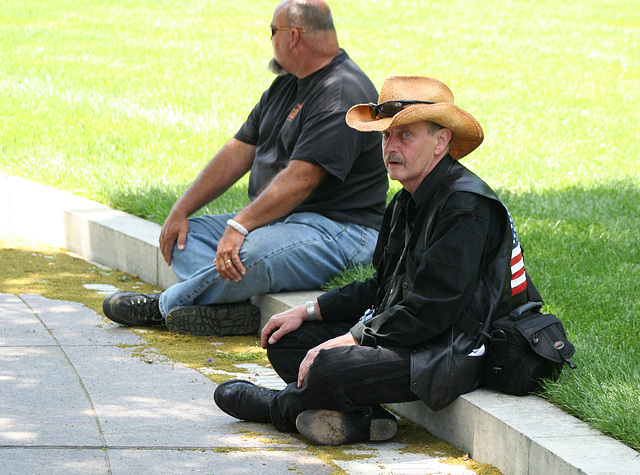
304 119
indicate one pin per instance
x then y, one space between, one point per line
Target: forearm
350 302
287 190
229 165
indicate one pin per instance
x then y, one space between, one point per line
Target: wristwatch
311 311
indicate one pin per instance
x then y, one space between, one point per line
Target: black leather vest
438 376
492 297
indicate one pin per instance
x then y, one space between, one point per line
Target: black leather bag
524 347
446 367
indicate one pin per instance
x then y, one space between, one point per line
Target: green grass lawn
124 102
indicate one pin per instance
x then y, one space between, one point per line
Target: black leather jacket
443 265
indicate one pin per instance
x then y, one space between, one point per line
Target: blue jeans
301 252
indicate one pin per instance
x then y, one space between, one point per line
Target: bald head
311 41
314 17
310 15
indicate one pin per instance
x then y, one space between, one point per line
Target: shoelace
146 309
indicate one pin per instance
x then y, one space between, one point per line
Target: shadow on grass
154 203
582 249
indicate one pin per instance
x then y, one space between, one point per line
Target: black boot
244 400
133 309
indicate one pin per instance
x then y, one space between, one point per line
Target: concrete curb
518 435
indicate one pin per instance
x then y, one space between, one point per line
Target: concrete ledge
518 435
89 229
523 435
270 304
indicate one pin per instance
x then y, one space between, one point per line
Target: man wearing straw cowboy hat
447 258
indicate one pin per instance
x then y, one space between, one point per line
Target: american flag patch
518 275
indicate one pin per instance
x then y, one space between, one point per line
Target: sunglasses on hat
391 108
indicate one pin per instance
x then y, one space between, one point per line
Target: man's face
279 41
409 153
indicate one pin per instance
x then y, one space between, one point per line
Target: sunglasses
274 29
391 108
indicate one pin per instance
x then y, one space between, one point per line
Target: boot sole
214 320
324 427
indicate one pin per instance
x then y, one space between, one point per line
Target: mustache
393 158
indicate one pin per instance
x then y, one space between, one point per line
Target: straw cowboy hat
407 99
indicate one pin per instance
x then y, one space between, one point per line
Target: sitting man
317 187
447 258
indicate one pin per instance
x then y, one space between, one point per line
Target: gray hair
432 127
310 17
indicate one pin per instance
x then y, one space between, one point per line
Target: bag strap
534 295
482 330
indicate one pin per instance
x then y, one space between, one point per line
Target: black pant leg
346 379
287 354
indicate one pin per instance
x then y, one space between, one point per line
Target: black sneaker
133 309
215 320
324 427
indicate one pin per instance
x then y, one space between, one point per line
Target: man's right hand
231 162
175 228
282 323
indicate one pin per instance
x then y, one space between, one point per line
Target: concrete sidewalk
517 435
78 399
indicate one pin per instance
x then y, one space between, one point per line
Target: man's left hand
344 340
227 259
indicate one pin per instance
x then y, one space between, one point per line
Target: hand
174 228
344 340
282 323
227 259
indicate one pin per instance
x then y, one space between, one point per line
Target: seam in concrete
518 435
